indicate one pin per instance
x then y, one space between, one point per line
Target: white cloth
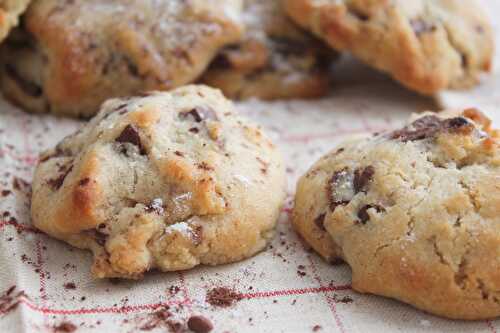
276 297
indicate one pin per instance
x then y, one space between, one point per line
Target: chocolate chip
56 183
200 324
320 220
84 181
363 212
155 206
28 87
429 126
131 135
199 114
362 177
421 26
339 189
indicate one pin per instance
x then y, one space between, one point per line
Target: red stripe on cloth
82 311
290 292
329 300
19 226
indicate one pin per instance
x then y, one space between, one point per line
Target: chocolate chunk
430 126
199 114
131 135
155 206
56 183
320 220
420 129
339 189
362 177
28 87
200 324
363 212
84 181
99 237
421 26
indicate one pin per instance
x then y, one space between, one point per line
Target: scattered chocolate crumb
200 324
222 297
205 166
173 290
300 273
345 299
6 193
194 130
131 135
65 327
69 286
178 153
316 328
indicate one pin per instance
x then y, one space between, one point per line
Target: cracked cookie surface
414 212
10 11
276 59
70 56
427 45
166 181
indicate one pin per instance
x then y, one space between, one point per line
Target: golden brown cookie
70 56
167 181
414 212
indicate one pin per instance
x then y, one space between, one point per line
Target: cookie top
10 10
414 212
165 181
427 45
74 55
275 60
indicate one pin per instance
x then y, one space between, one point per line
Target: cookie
415 213
10 10
166 181
427 45
275 60
70 56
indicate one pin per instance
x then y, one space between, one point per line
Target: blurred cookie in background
275 60
427 45
68 57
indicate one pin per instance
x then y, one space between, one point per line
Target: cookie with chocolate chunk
10 11
276 59
427 45
414 212
165 181
70 56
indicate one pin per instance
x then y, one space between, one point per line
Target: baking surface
284 289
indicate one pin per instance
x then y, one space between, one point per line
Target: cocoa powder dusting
222 297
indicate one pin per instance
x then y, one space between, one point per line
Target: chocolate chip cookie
414 212
275 60
166 181
10 10
427 45
70 56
